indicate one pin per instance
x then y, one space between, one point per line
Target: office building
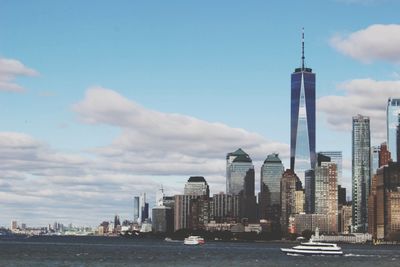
336 157
302 119
290 183
326 195
162 219
387 201
182 211
392 121
144 208
197 186
361 173
224 208
240 181
309 191
136 209
270 188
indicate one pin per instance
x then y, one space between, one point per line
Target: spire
302 50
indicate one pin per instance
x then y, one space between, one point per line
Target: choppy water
101 251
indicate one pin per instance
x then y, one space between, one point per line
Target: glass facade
239 173
392 121
302 122
361 172
270 186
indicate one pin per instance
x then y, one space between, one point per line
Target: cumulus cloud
39 184
361 96
377 42
10 69
174 138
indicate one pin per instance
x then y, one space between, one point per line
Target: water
103 251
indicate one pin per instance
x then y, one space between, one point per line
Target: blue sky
102 100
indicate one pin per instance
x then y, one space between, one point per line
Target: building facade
336 157
309 189
197 186
361 172
302 120
240 181
224 208
290 183
136 209
270 188
392 121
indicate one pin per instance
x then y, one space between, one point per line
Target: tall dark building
302 119
341 195
309 188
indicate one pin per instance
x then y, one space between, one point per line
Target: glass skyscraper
239 173
302 120
392 121
270 187
361 173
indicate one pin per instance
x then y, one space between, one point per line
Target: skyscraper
336 157
392 121
290 183
326 191
197 185
240 181
136 209
302 119
361 174
270 179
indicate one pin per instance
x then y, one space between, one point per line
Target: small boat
314 248
193 240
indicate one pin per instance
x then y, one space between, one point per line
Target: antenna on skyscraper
302 49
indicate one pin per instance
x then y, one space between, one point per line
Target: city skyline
101 106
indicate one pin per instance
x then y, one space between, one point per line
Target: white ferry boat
314 248
193 240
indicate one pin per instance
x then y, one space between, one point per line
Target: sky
103 100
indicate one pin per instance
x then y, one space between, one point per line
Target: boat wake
359 255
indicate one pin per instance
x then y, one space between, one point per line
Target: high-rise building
197 186
290 183
182 211
398 140
384 155
144 208
302 119
136 209
270 188
336 157
375 150
388 201
361 173
225 208
240 181
309 189
162 219
326 195
392 121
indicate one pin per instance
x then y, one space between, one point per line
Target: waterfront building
345 219
309 191
197 186
199 213
302 119
326 196
304 221
290 183
14 226
240 181
361 153
270 188
300 201
144 208
392 121
136 209
182 211
336 157
224 208
388 201
162 219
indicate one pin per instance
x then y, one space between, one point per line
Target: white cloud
39 184
10 69
377 42
361 96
